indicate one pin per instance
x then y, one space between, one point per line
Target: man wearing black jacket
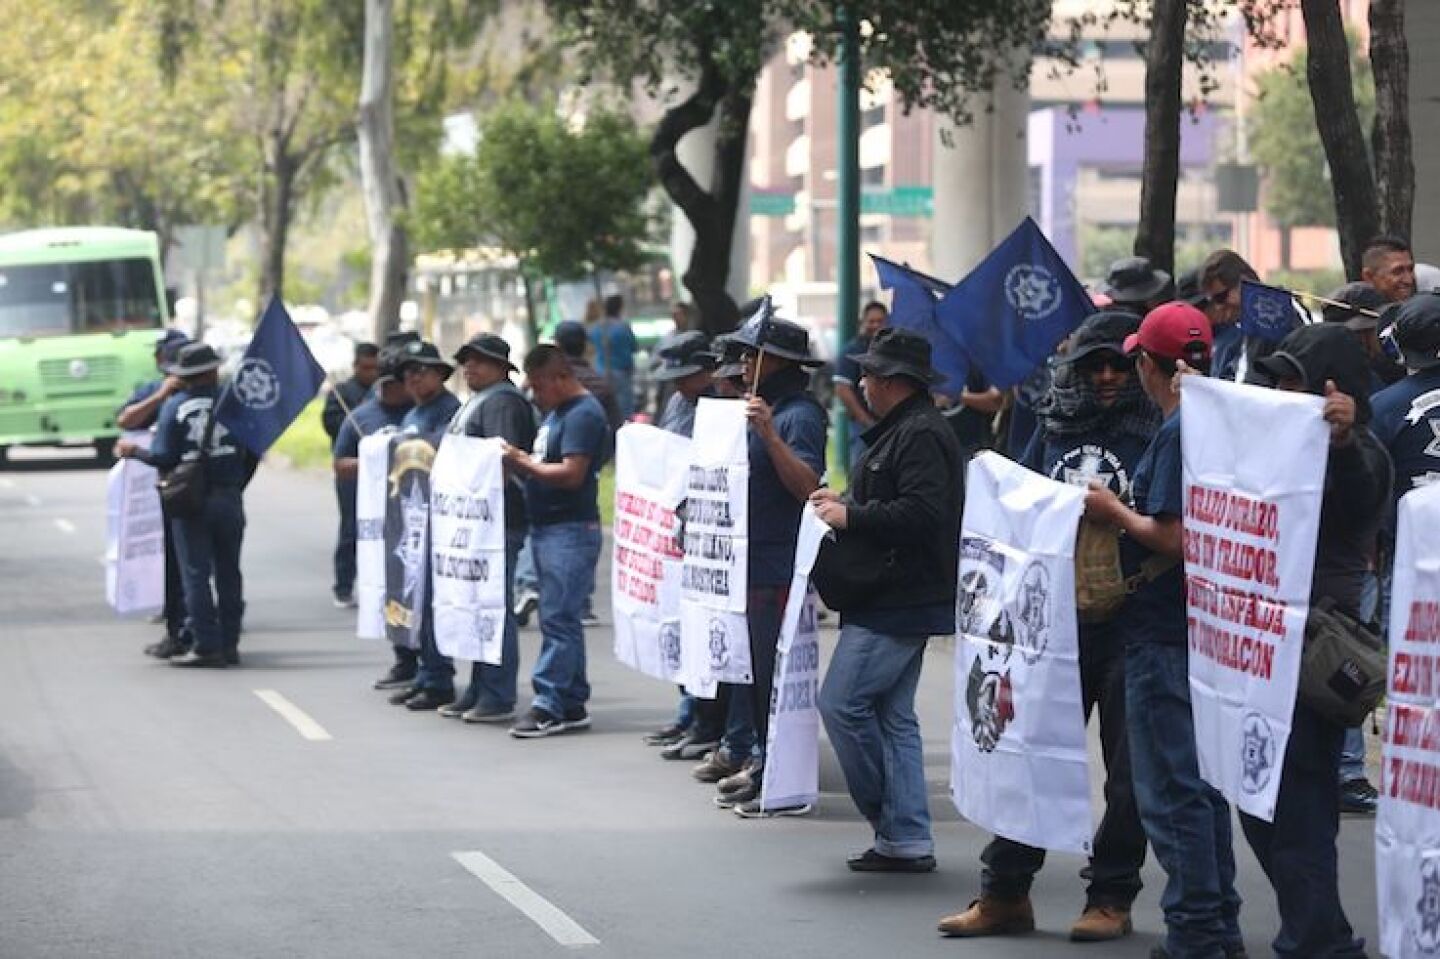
903 512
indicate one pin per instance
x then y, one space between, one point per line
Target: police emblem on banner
1032 291
719 645
1257 752
256 384
670 646
1427 908
407 537
1032 612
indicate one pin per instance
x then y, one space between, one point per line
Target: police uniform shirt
1155 612
178 431
368 418
431 418
500 410
1406 420
1078 458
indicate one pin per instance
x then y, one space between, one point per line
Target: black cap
489 346
389 366
1357 297
1417 331
896 352
571 337
420 353
192 359
1104 331
1134 281
682 354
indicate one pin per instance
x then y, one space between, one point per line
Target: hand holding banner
370 495
134 537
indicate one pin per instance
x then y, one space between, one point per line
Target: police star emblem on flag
1032 291
256 384
1257 753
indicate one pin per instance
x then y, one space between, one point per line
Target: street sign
918 201
765 203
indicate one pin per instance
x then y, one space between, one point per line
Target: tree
1164 69
380 181
1390 133
565 200
937 53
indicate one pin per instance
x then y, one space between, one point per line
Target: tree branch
691 114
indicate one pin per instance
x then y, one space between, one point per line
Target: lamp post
847 252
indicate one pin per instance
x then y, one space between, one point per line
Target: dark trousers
1113 873
1297 850
345 539
208 546
174 585
765 608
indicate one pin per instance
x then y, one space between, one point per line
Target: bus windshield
57 299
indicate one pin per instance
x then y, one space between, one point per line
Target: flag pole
759 363
340 398
1340 303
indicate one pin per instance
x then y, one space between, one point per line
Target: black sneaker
1231 952
1358 797
577 718
737 797
399 677
343 599
537 724
232 656
489 714
688 747
665 737
872 861
459 707
752 810
167 647
197 660
400 696
526 604
429 700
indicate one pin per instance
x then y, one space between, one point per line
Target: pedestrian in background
615 348
847 378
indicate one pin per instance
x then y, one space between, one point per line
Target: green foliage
1102 245
1286 144
304 443
565 200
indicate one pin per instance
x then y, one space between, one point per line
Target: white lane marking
64 525
32 499
294 715
536 907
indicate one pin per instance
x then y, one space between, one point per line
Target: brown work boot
1101 924
991 916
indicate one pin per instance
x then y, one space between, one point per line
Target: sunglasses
1096 362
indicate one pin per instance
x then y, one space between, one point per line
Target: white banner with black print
370 494
650 481
1252 514
134 537
1407 827
792 753
467 548
1019 763
714 634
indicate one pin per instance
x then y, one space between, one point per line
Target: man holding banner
892 578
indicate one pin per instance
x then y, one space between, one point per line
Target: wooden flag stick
1329 302
759 362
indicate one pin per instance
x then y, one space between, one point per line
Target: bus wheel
105 451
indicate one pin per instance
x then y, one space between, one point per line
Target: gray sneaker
488 714
688 747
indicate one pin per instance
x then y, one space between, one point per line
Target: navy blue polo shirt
1406 420
431 418
774 513
178 431
1155 612
574 428
371 417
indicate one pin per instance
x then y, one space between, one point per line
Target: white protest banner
650 478
467 548
1407 829
1019 763
714 634
134 537
1252 513
370 535
792 752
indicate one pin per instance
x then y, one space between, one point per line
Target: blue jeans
868 706
491 686
525 579
1297 850
345 539
623 383
208 547
1186 820
565 558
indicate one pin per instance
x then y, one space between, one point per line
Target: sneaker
737 797
740 780
402 695
718 765
687 747
399 677
167 647
525 604
752 810
665 737
343 599
489 714
1101 924
232 656
991 916
1358 797
455 709
537 724
576 718
589 619
872 861
429 700
1231 952
198 660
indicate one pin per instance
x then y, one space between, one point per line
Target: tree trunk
532 323
1287 237
1390 137
379 180
277 206
1357 217
1164 64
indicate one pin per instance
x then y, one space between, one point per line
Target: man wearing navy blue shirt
561 479
208 543
1186 820
381 413
425 373
1407 414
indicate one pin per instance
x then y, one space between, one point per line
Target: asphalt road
149 812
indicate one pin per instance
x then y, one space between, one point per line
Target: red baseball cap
1174 331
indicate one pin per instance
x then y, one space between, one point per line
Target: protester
972 415
1407 414
342 400
425 373
1094 426
615 348
1220 277
901 513
207 543
1388 265
573 342
1186 820
1134 285
787 458
140 412
847 377
382 412
496 408
1297 850
561 487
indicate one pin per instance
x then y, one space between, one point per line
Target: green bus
80 310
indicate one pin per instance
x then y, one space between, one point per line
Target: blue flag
1015 307
276 378
912 307
1266 312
